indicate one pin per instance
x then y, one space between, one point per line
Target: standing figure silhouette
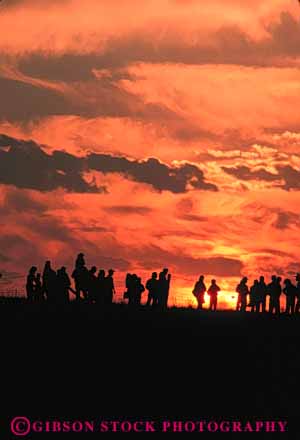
81 277
39 291
262 292
152 287
213 291
243 291
297 308
254 297
110 287
31 284
164 288
49 282
199 292
290 291
274 290
101 288
64 285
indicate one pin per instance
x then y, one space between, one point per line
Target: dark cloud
289 175
285 219
230 45
32 3
278 218
193 218
245 173
21 101
25 165
70 67
153 256
153 172
28 99
25 101
129 210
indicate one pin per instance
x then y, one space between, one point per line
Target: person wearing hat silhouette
110 287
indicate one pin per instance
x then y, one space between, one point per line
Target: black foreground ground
79 359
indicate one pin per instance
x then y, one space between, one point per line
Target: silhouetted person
243 291
290 291
164 288
254 297
110 287
132 289
49 282
31 284
80 261
274 290
297 308
152 287
102 287
262 291
81 277
63 285
199 292
39 290
92 284
127 285
213 291
139 290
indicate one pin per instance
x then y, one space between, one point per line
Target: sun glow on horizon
183 297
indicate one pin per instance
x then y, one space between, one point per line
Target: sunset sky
151 134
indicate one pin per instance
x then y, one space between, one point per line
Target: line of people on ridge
255 297
259 292
158 289
54 286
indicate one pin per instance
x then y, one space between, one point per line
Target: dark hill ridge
147 362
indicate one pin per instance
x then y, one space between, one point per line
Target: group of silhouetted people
54 286
256 296
200 290
158 289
